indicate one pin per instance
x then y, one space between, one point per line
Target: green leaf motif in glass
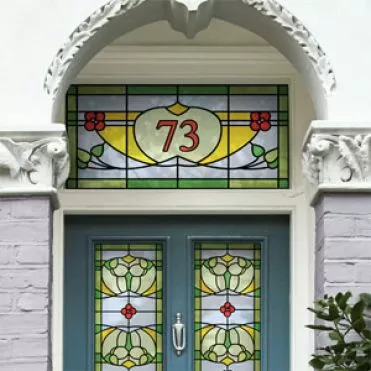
97 150
257 150
83 156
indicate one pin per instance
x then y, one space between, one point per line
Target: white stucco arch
267 18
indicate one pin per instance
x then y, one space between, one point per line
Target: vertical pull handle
179 335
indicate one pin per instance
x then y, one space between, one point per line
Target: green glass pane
253 90
71 184
72 90
152 183
256 184
283 116
72 138
283 184
203 89
71 103
283 156
203 184
71 116
101 184
283 103
283 89
152 89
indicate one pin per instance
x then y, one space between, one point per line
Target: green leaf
317 364
333 312
272 155
98 150
83 156
273 165
81 165
366 298
357 311
342 299
359 325
320 327
257 150
367 334
334 335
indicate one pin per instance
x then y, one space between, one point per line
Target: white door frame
293 202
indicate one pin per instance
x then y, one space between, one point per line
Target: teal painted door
126 278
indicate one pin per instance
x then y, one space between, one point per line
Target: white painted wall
32 32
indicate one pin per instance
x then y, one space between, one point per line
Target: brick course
343 244
25 240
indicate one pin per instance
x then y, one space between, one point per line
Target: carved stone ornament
189 17
280 15
338 157
41 164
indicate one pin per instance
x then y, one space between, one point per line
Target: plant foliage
347 326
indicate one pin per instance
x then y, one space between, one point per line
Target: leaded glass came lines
128 307
227 307
178 136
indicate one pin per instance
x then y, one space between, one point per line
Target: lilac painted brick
356 290
33 254
363 272
339 272
6 303
7 254
27 346
27 364
338 225
5 208
31 346
25 231
25 240
363 226
348 248
34 208
346 204
20 323
24 278
31 301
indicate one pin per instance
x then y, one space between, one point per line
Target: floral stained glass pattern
128 307
178 136
227 307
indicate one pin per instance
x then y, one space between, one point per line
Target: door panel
227 275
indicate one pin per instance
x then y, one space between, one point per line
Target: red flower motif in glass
128 311
260 121
94 121
227 309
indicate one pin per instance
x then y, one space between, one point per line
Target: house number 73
173 126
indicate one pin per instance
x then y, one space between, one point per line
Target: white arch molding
267 18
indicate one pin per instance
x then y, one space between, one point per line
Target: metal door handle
179 335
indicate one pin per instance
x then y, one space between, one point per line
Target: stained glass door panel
227 306
178 136
126 278
128 306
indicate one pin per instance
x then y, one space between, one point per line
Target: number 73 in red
173 126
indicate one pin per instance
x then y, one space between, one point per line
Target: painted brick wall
343 243
25 239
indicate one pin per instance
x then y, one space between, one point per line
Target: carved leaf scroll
114 8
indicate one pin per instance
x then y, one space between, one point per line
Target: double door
176 293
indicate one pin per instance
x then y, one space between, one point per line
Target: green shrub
349 333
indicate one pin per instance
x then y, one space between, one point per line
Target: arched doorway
170 203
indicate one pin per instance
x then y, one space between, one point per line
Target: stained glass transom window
178 136
128 307
227 307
